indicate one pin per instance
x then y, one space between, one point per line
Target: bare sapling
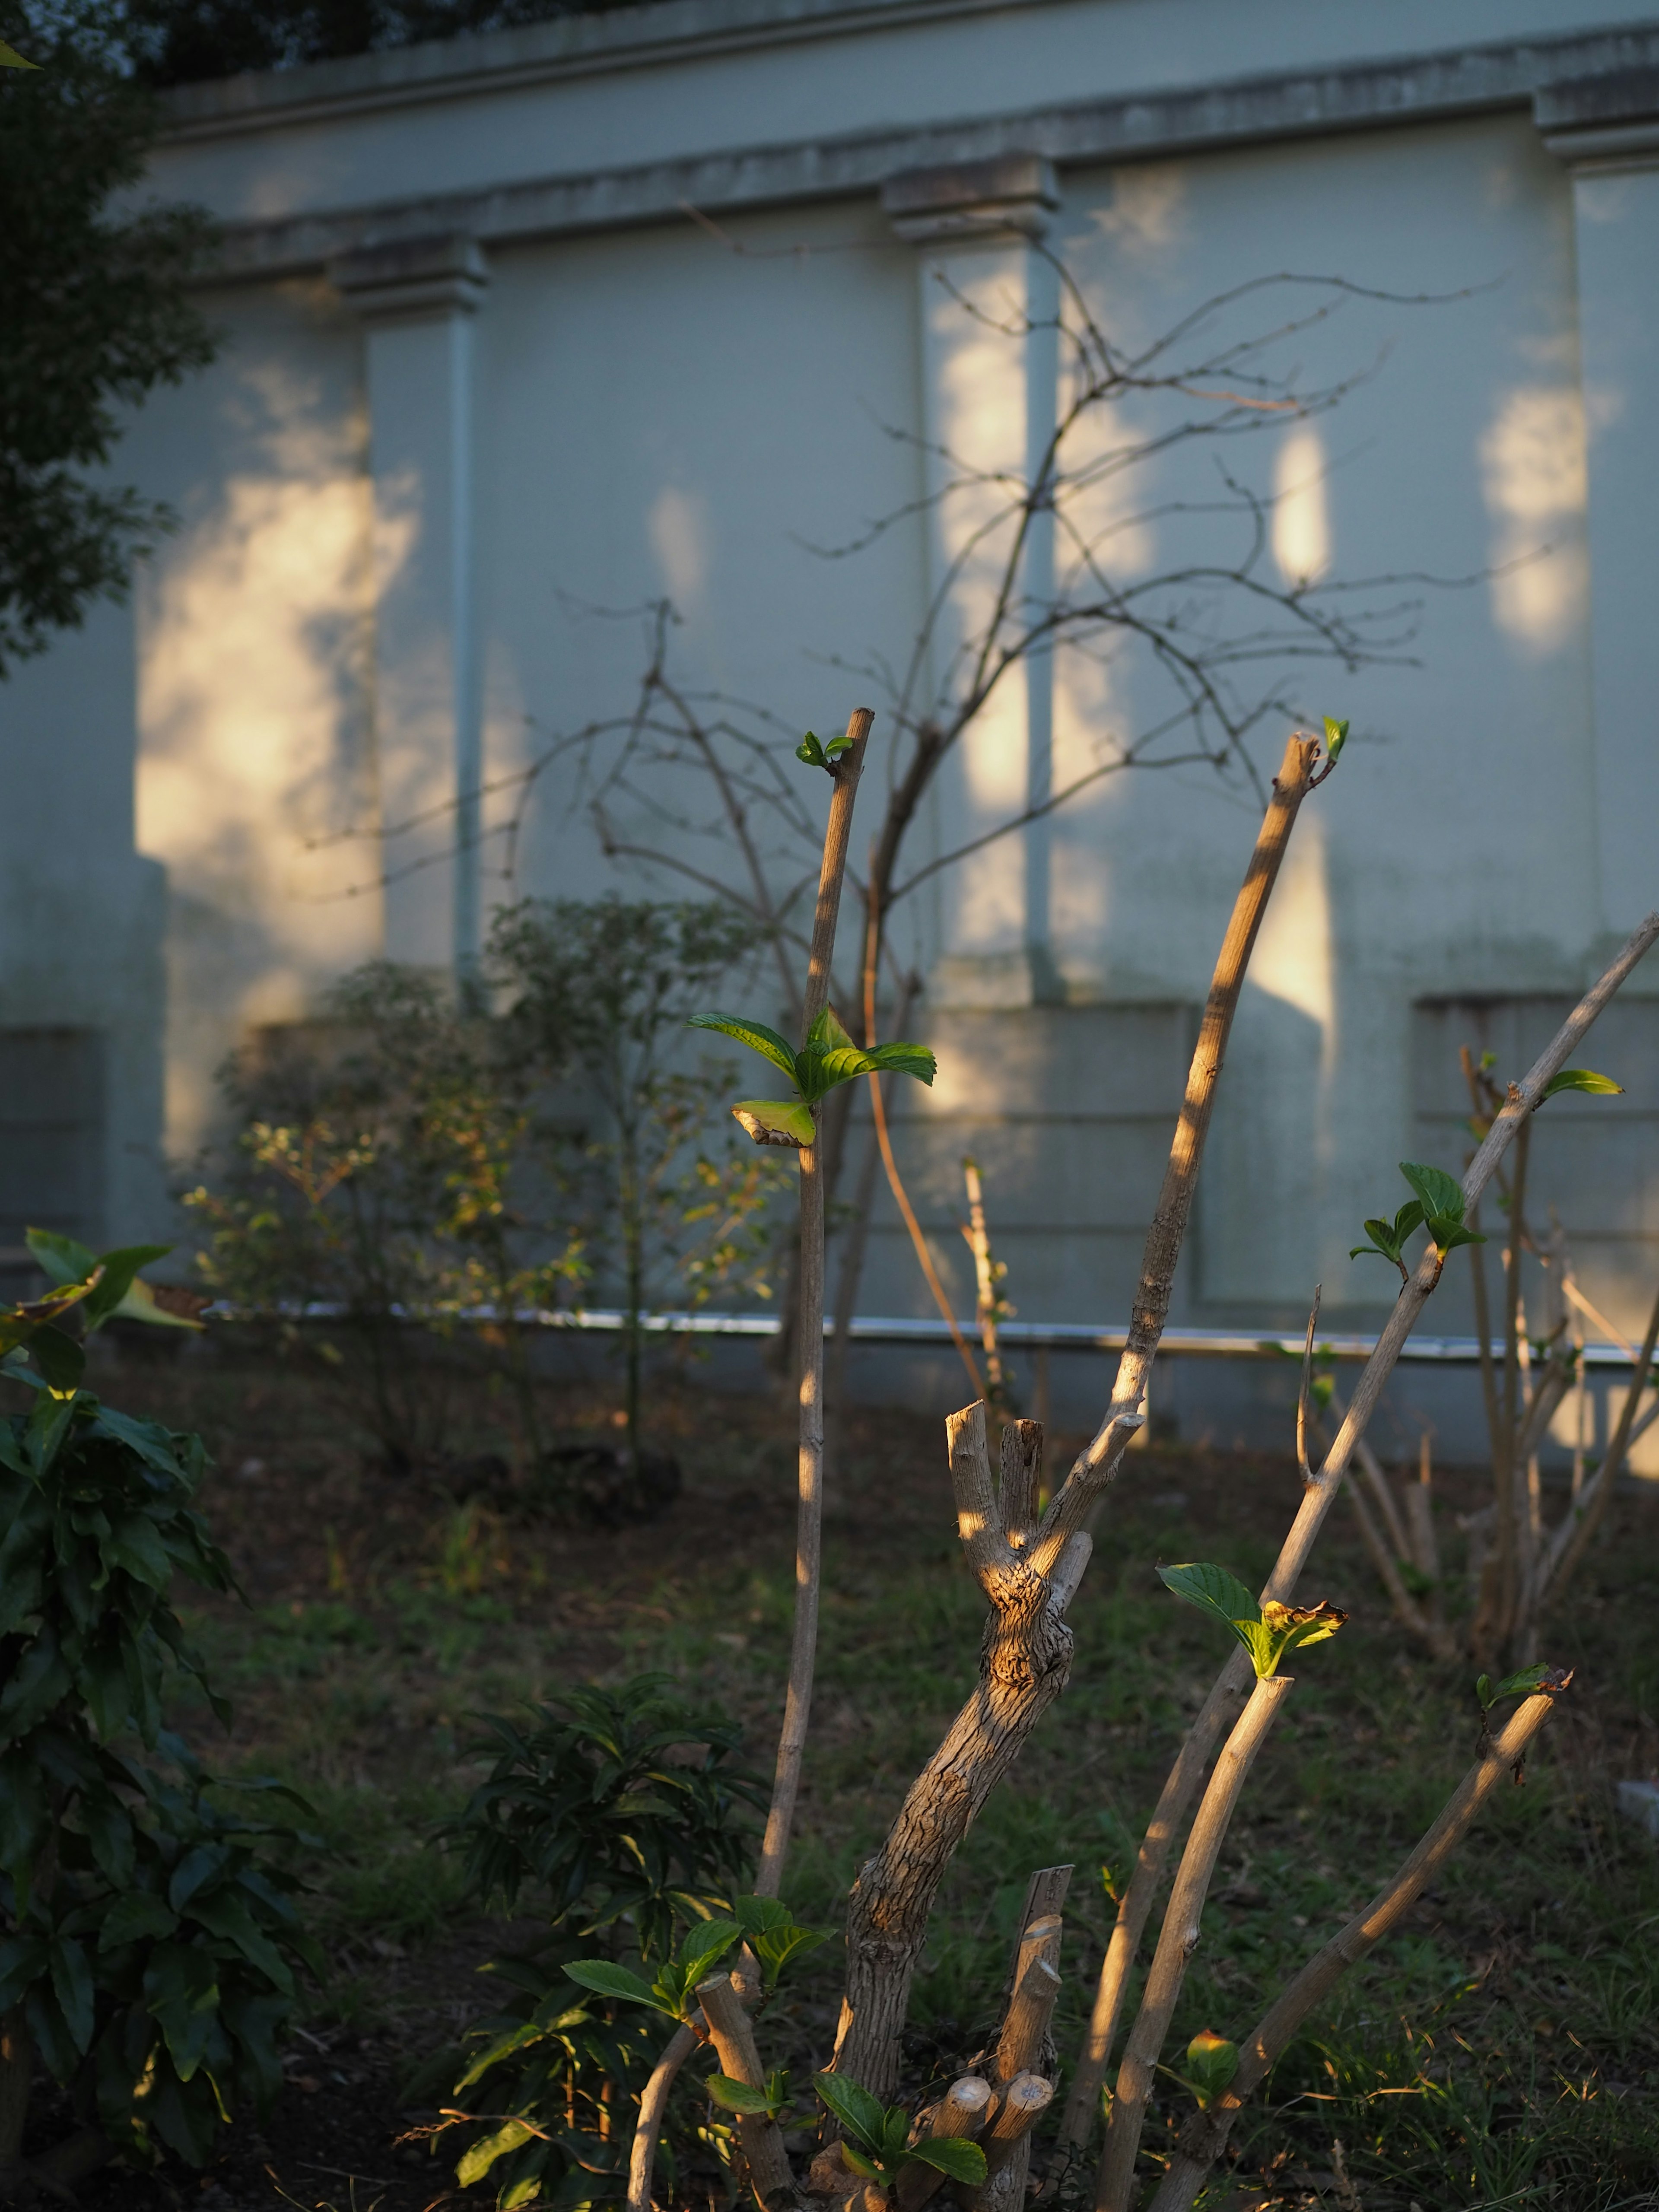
1244 2067
827 1057
1321 1489
1267 1633
1026 1653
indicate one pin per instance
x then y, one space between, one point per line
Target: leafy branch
1269 1633
828 1058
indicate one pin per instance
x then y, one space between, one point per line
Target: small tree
97 314
602 992
381 1182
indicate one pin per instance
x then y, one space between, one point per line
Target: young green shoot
875 2142
828 1058
1269 1632
1437 1208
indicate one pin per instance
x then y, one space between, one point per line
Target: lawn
1504 2051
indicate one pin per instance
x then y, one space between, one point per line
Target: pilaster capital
413 278
1011 193
1601 124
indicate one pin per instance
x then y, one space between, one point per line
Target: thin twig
1179 1940
1202 2140
808 1543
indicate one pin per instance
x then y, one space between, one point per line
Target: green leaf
138 1918
614 1982
821 1071
953 2155
709 1940
1213 1591
109 1831
22 1962
777 1121
483 2155
756 1035
1262 1645
224 1915
201 1864
809 751
1518 1685
758 1916
1447 1238
1582 1079
1211 2063
60 1259
779 1946
59 1358
737 2096
135 1546
182 1989
1483 1688
827 1034
109 1293
1336 736
1442 1194
862 2162
72 1985
10 58
905 1060
859 2112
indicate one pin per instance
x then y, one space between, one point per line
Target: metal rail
898 1331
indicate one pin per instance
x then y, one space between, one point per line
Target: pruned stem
809 1539
986 1300
1185 1775
654 2107
961 2112
1178 1940
1095 1466
1202 2140
1221 1709
1023 1662
734 2039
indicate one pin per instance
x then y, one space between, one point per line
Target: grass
1503 2051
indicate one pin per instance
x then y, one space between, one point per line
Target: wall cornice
1439 88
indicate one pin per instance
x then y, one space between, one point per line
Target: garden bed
1506 2051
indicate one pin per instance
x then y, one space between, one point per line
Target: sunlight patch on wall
1301 522
1534 479
1148 210
252 699
1295 957
678 531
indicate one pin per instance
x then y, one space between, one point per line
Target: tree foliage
97 314
182 41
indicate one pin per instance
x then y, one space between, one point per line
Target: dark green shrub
622 1811
148 1949
381 1174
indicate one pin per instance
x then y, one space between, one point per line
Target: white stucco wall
643 409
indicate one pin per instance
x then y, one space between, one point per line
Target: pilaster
418 300
988 313
1606 130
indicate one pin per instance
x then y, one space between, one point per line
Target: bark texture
1027 1651
809 1537
1024 1659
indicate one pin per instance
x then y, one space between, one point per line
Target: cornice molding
1436 88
